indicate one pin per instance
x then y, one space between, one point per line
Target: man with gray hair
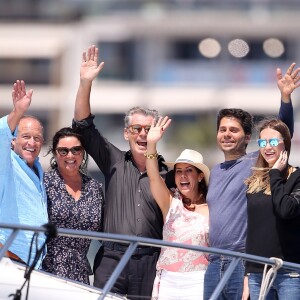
130 208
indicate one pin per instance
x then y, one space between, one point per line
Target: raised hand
289 82
157 130
21 98
89 66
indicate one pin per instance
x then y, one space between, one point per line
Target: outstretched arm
21 102
88 72
287 84
158 187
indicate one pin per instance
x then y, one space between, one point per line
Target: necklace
200 200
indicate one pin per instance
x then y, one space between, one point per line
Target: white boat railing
134 241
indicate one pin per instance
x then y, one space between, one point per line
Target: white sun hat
193 158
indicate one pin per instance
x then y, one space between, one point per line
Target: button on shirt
22 196
129 205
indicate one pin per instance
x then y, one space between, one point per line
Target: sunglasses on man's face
64 151
273 142
137 128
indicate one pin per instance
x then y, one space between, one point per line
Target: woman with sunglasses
273 206
180 272
75 201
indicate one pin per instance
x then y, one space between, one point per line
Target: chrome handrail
135 241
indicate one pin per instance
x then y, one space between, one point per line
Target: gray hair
140 111
15 133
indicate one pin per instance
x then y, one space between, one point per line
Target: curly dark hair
244 117
62 133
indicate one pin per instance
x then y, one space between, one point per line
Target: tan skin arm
288 83
21 102
159 190
88 72
246 292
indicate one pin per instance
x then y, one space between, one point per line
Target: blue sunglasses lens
262 143
274 142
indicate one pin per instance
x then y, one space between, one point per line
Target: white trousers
181 285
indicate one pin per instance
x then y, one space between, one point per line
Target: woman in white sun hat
180 272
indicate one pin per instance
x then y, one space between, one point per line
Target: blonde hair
259 181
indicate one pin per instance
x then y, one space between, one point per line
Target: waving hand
21 98
89 66
288 82
157 130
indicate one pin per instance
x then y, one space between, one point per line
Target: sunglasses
64 151
137 128
273 142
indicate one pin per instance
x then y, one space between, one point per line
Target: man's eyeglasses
137 128
64 151
274 142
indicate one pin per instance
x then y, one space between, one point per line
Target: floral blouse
186 227
66 256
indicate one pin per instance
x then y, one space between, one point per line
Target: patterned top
66 256
186 227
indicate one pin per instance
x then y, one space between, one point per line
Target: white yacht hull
43 286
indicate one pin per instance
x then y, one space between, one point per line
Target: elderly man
22 194
129 205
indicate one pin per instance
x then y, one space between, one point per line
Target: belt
214 257
122 248
12 256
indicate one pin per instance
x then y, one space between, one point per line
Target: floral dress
186 227
67 256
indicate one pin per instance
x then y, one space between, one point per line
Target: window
32 71
119 60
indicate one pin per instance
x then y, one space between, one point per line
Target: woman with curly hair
75 201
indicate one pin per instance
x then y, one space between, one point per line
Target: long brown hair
260 180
